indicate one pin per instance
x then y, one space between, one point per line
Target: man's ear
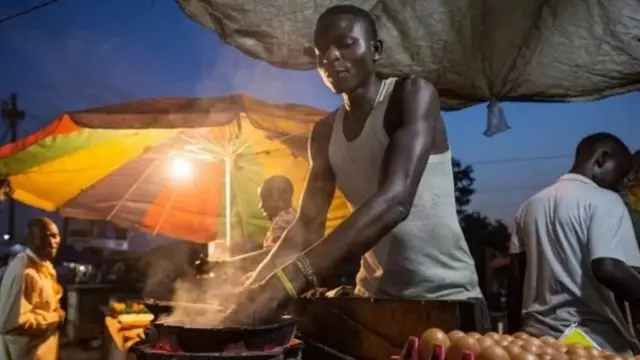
377 47
602 158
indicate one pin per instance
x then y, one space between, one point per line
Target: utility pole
12 115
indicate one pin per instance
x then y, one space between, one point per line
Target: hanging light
181 168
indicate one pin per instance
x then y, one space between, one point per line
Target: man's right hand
316 293
341 291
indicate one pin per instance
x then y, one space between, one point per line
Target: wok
203 339
159 308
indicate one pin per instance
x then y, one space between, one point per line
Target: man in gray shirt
575 246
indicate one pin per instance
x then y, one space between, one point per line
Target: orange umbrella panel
192 183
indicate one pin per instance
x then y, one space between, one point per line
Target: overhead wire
473 163
27 11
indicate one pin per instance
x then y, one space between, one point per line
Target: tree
463 182
479 230
481 234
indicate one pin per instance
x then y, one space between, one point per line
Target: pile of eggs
493 346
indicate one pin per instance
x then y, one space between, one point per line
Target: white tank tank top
424 257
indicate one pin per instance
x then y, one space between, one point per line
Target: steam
196 301
196 304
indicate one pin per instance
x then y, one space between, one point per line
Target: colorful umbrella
186 168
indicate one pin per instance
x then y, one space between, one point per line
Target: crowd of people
574 251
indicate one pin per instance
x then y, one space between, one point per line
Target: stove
167 350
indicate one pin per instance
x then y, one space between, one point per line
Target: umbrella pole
227 198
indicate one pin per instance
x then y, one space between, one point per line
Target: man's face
612 169
46 241
269 202
345 54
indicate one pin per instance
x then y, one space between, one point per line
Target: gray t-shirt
561 229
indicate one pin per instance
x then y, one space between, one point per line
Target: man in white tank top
386 149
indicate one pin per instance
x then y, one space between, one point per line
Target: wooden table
368 329
84 315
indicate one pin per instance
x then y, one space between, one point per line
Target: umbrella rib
164 213
133 188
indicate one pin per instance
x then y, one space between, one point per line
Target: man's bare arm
247 262
406 158
318 194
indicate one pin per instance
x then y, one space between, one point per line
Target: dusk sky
77 54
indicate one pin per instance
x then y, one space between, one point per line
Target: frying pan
159 308
203 339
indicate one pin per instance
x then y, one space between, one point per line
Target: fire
165 346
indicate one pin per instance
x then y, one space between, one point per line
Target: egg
493 352
502 342
523 355
547 349
485 341
548 340
579 357
531 347
512 350
593 352
559 356
577 350
430 338
474 335
605 353
520 335
493 335
517 342
614 357
506 338
455 334
533 340
461 345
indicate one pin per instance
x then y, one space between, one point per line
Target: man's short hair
38 224
592 143
280 184
358 13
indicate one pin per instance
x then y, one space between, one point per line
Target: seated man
573 250
276 202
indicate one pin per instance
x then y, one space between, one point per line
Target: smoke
164 265
201 301
195 304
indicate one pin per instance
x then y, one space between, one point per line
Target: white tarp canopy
472 50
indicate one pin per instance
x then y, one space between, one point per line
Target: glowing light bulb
181 168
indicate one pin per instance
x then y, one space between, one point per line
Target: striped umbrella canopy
188 168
